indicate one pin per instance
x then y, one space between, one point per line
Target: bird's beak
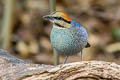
48 17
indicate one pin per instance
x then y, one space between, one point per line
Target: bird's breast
68 41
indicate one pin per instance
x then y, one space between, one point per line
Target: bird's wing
76 24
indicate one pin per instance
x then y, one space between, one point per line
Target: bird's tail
88 45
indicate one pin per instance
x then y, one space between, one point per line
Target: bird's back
69 41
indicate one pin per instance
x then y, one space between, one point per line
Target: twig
52 4
7 23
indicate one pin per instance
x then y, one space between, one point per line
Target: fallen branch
12 68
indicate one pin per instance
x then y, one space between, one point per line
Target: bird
67 36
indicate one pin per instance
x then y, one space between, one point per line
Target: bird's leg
65 59
81 55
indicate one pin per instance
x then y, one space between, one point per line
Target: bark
12 68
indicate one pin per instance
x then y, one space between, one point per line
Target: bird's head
58 18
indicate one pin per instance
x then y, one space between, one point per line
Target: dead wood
12 68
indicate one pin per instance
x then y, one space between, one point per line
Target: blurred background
25 34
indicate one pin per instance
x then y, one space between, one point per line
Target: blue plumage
69 41
75 24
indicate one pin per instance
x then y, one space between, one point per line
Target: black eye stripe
60 18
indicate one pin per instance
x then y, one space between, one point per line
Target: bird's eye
59 18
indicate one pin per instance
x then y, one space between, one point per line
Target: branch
16 69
